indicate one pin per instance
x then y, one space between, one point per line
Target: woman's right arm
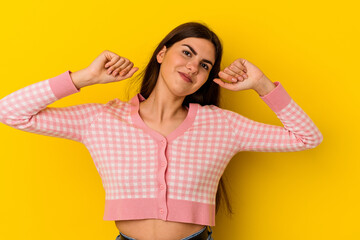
26 109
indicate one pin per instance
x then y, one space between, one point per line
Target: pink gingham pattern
148 175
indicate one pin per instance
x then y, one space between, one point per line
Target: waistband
202 234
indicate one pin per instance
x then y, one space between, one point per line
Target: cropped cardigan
145 174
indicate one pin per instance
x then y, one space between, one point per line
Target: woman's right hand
120 68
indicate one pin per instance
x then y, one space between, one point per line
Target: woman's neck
162 108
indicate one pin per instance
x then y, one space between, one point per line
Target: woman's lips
184 77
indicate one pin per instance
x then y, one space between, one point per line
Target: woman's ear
161 54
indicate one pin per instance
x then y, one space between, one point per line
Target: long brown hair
207 94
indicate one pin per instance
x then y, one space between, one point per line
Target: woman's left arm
299 131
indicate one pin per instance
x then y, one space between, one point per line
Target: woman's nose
192 65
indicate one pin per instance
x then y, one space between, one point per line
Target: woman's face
192 57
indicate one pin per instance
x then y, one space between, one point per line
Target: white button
163 163
161 210
162 187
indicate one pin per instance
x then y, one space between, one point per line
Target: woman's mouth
184 77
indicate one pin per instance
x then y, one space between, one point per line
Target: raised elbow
314 141
16 122
319 139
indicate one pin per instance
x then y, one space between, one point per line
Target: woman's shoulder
117 105
216 110
209 109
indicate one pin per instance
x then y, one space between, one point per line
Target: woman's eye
186 52
205 66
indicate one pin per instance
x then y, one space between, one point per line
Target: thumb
218 81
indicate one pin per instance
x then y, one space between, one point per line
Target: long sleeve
298 133
26 109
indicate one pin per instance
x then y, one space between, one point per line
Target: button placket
162 204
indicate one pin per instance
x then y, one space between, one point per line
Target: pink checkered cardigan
145 174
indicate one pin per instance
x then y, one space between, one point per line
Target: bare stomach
149 229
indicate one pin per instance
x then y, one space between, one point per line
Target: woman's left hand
242 75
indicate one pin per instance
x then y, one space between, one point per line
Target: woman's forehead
197 42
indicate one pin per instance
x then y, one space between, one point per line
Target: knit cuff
278 98
62 85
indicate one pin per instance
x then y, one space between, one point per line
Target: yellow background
50 188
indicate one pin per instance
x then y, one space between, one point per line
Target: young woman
161 154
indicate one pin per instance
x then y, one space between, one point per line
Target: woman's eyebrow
205 60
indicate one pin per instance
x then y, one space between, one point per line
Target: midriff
150 229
